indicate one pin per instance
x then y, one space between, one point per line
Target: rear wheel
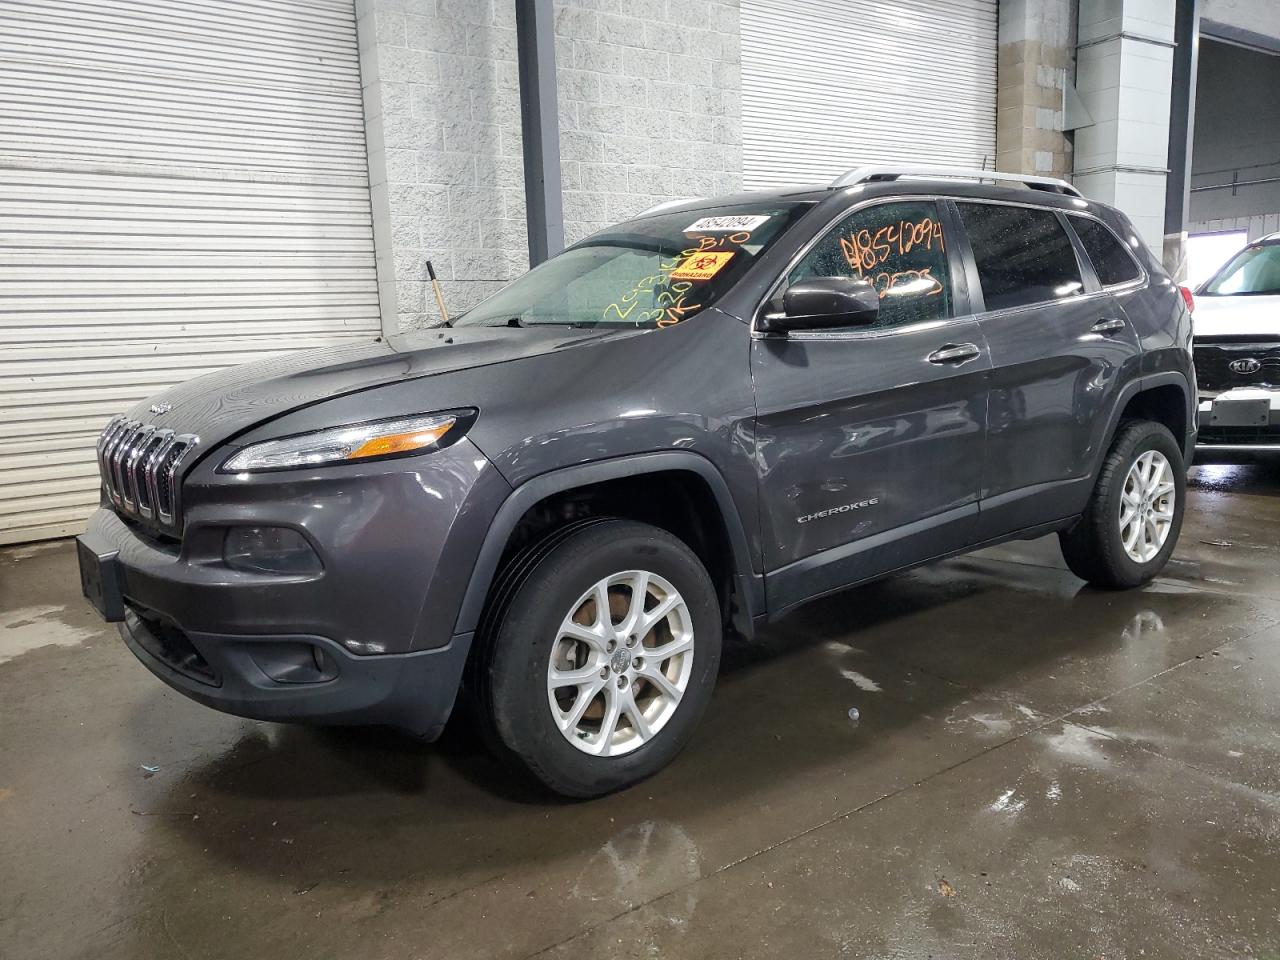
1131 524
604 657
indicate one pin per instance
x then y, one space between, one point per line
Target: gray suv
680 428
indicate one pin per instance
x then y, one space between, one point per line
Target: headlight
361 441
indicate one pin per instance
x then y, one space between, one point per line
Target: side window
1111 261
1023 255
899 247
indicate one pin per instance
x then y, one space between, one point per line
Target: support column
540 128
1182 112
1036 51
1124 71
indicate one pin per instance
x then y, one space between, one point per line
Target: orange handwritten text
920 283
865 250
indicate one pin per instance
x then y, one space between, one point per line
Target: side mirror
822 303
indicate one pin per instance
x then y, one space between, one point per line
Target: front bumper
241 675
1241 420
369 639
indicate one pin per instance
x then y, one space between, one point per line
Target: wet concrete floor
1040 770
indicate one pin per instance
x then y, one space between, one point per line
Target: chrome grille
139 465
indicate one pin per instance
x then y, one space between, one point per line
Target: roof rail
869 174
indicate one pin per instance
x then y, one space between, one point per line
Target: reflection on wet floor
1035 763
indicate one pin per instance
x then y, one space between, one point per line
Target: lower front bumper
303 678
267 673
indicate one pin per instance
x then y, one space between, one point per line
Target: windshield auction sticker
726 224
701 266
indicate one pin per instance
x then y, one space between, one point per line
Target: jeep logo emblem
1247 365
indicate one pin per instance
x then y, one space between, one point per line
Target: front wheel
1131 524
604 658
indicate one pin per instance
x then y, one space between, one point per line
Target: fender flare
749 584
1139 385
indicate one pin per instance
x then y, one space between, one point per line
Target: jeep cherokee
685 425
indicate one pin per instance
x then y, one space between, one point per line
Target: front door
1060 351
869 441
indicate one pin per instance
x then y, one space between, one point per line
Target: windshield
1254 270
651 272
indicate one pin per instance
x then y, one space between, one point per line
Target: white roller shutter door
183 186
832 84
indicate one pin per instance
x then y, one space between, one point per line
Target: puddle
30 628
29 550
862 682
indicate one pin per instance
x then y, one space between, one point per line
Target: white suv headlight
360 441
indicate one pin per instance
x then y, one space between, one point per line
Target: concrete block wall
650 105
1036 56
442 118
650 109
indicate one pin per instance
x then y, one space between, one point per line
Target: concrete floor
1040 770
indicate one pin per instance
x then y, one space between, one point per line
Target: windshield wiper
519 322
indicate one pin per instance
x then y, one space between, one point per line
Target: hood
222 404
1237 317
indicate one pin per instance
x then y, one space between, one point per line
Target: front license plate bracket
100 578
1252 412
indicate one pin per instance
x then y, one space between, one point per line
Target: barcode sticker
726 224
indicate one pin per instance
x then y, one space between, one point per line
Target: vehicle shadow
910 652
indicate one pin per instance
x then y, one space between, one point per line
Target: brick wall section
650 109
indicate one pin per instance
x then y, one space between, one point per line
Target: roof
873 181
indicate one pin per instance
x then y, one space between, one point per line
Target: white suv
1237 354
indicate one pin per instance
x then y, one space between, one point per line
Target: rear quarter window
1111 261
1023 255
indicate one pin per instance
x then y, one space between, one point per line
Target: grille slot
139 466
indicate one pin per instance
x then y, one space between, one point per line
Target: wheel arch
1166 398
743 602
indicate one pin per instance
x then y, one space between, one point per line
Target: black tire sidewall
525 633
1138 439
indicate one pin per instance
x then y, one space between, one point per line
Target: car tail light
1188 299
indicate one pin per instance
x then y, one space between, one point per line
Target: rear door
1059 345
869 439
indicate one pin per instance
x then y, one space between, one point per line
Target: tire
1095 548
553 589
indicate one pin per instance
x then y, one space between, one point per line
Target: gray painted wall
1237 131
650 109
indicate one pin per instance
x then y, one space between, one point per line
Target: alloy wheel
621 663
1147 505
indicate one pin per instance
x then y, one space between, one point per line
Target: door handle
1107 325
956 353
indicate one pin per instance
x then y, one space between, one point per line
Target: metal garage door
831 84
183 186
